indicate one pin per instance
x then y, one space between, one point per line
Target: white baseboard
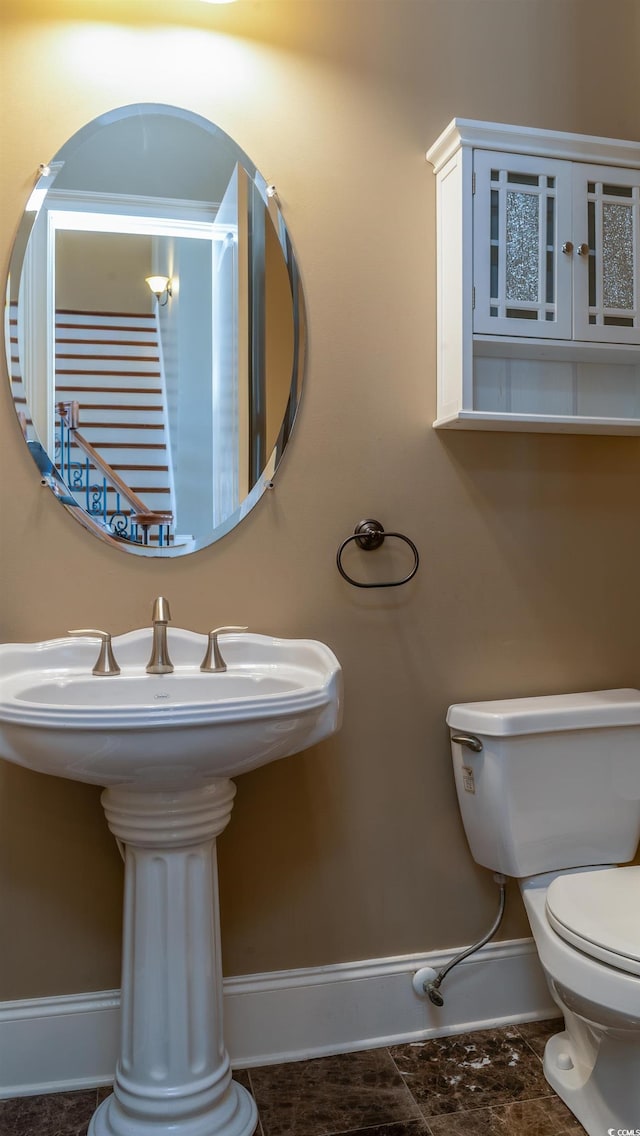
71 1042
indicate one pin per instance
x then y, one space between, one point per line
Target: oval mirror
154 329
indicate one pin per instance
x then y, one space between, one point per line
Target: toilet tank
556 783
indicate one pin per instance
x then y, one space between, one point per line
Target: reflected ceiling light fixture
161 287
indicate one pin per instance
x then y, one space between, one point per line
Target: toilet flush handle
468 740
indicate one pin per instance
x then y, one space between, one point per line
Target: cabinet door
521 219
607 256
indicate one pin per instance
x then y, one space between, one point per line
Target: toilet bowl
594 1063
549 793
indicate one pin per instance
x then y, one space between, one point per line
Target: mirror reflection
154 330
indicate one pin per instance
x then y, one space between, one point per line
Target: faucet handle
213 662
106 662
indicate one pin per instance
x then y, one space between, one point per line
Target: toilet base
594 1065
597 1075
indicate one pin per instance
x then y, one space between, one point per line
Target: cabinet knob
567 247
583 249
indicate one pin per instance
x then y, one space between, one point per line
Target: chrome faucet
160 663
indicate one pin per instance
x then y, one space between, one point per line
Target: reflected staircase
111 407
112 438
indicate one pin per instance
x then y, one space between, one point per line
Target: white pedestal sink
165 747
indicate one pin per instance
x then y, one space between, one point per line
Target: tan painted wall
530 544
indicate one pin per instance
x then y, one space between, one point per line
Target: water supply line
423 981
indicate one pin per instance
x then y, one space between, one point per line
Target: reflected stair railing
128 518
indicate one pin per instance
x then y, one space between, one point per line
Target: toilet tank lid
512 716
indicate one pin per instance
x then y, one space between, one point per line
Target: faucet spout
161 610
160 663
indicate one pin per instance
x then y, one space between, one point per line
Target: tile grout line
259 1128
493 1107
376 1127
420 1115
528 1043
415 1117
540 1059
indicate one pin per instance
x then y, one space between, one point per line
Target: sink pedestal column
173 1076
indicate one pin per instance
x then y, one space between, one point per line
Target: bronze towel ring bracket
368 536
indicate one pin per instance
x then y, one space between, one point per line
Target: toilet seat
599 913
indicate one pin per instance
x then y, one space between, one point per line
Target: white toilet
549 791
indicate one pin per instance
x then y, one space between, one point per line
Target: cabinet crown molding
474 134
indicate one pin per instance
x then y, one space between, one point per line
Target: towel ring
370 535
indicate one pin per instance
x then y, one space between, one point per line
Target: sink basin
173 731
186 693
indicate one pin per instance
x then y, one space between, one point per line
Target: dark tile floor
488 1083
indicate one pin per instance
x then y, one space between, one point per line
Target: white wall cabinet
538 280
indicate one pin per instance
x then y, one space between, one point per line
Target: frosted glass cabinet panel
607 277
538 270
522 209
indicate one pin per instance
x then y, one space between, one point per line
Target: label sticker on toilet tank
468 782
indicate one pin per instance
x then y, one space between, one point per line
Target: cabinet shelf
501 346
537 423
